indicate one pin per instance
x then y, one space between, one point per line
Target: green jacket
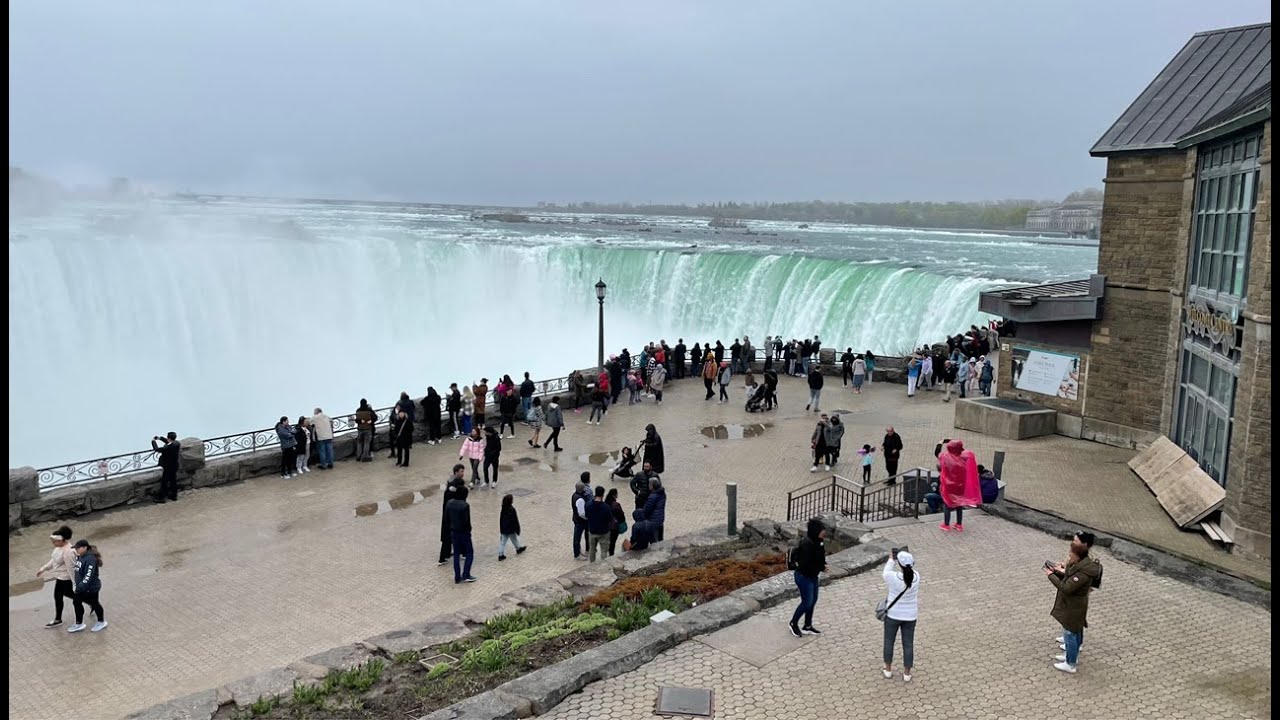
1071 605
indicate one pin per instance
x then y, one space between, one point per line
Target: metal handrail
99 469
878 500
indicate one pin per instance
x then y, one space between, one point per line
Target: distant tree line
1003 214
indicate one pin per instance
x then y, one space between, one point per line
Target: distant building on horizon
1078 218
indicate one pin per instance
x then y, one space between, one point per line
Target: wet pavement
234 580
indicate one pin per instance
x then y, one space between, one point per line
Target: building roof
1055 302
1213 72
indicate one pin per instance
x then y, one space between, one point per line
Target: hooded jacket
641 531
555 418
472 449
508 404
810 556
454 403
726 375
959 485
431 405
653 451
657 377
288 441
87 576
834 432
655 506
815 379
450 492
481 392
459 512
492 444
508 520
640 486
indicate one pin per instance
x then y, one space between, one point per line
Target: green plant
309 694
657 599
439 670
524 619
264 704
628 614
361 678
408 657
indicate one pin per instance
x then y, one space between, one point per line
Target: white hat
905 559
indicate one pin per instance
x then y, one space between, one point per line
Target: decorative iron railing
100 469
898 496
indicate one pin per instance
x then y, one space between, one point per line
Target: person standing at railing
481 392
169 450
617 381
507 406
366 419
406 406
846 366
657 380
527 389
719 352
302 436
454 405
748 354
404 437
870 358
891 446
431 409
288 447
322 427
468 408
735 355
681 357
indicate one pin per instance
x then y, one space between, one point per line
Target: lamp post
600 290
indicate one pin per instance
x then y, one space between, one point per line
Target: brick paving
234 580
1155 648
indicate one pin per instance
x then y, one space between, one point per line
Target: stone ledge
197 706
1160 562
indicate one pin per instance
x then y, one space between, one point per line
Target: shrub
713 580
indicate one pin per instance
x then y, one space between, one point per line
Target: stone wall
1140 251
1246 515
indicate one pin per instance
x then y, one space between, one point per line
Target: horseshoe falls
127 320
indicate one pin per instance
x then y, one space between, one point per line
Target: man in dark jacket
735 356
599 520
655 507
681 357
450 489
815 389
808 560
1073 580
578 512
169 450
640 483
526 397
891 446
464 553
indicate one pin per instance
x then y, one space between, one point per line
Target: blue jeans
1073 641
908 628
579 532
934 500
808 599
804 365
462 547
814 395
526 404
324 448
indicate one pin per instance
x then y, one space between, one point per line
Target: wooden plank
1157 458
1185 491
1207 527
1219 533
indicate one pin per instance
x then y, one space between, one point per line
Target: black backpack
1096 583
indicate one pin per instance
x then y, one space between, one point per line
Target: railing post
788 507
862 494
833 494
731 490
997 464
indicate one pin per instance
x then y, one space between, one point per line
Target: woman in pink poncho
959 483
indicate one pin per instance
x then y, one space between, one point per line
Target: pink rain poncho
959 485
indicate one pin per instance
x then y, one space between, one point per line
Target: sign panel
1046 373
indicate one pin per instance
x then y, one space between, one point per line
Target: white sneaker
1060 639
588 422
99 626
826 467
906 677
75 628
511 437
306 469
888 674
1064 667
813 469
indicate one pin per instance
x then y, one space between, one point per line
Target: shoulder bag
882 607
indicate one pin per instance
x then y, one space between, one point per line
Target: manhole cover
695 702
525 461
521 492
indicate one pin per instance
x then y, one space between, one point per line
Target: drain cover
695 702
521 492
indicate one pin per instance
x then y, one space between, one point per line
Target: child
868 455
509 527
634 385
88 585
468 407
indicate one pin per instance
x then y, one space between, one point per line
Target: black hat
82 543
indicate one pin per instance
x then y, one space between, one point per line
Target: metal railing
100 469
898 496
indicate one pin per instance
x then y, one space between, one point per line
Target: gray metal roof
1071 288
1212 72
1055 302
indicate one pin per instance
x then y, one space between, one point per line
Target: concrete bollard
731 490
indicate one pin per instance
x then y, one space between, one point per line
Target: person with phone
902 584
1073 580
169 449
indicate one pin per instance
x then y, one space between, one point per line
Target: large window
1226 197
1207 390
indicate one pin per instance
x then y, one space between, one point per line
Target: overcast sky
516 102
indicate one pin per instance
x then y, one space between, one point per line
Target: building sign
1218 328
1046 373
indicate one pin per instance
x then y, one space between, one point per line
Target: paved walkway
1155 648
234 580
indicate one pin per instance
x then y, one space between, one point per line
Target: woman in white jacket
62 567
903 586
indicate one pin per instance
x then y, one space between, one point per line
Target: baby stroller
625 463
755 403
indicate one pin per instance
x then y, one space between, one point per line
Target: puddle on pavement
734 431
525 461
600 458
108 531
396 502
28 596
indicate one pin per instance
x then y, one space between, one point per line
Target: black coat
450 489
810 557
459 513
431 406
404 432
653 452
509 521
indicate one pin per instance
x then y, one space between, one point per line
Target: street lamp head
600 288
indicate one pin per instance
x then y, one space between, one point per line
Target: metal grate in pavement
694 702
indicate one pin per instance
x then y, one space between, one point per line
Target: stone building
1180 342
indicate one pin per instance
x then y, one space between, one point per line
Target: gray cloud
515 102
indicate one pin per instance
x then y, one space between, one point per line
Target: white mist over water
216 319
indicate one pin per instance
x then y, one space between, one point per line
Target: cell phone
1048 564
